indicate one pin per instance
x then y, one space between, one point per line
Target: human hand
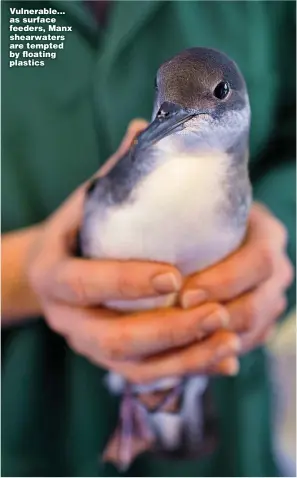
251 283
142 346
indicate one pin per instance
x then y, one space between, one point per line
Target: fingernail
233 368
165 283
192 298
216 320
232 346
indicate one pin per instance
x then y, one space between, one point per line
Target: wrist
19 302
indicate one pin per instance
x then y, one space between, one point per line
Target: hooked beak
170 117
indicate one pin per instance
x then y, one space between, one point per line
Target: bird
181 195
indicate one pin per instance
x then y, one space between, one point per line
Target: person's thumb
134 128
69 215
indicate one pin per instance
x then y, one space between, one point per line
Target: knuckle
282 232
250 313
197 361
288 274
36 277
77 289
230 278
281 306
115 341
124 286
267 260
114 351
172 336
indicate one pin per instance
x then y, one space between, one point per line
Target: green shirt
60 123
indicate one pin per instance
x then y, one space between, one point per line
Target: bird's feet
133 434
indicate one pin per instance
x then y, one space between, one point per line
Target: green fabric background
60 123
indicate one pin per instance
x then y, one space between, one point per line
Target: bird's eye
162 114
221 90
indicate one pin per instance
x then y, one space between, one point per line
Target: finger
252 264
256 308
134 128
193 359
258 335
85 282
151 332
118 337
286 272
228 366
230 278
263 337
68 216
76 322
262 220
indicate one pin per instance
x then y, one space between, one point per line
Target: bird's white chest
178 214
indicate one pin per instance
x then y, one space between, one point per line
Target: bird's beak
169 117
